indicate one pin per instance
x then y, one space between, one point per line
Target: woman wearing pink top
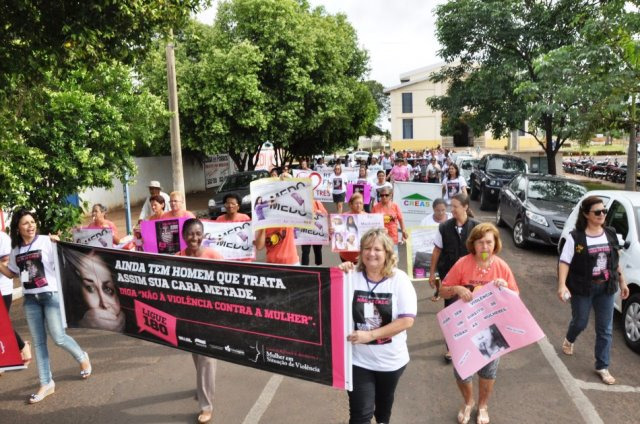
176 201
98 217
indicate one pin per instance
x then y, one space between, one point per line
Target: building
415 126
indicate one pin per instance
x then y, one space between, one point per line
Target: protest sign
278 203
320 180
98 237
233 240
493 323
415 200
362 188
10 358
163 235
284 319
348 229
419 251
319 234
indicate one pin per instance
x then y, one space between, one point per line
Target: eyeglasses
600 212
385 195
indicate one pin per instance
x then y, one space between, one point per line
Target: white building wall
149 168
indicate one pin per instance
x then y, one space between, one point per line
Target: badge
24 276
368 310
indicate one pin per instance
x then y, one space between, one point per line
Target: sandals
606 377
85 372
483 416
464 415
25 353
447 357
49 389
567 347
205 417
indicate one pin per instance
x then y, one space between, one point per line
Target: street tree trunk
632 154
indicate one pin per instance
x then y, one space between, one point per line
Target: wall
149 168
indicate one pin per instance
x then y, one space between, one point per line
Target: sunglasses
385 195
599 212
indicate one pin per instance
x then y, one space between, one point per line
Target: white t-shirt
428 220
378 187
376 305
338 183
6 284
453 187
598 247
375 168
35 265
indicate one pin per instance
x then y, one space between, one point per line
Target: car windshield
467 164
553 190
506 164
236 182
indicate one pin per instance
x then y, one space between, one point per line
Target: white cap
155 184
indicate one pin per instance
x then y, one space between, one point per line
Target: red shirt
281 246
392 216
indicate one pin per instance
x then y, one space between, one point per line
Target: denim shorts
488 372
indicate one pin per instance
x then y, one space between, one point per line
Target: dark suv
490 174
237 183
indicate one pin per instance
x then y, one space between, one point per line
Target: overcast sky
398 34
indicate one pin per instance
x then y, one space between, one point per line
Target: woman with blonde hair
384 306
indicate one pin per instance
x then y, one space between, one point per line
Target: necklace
484 269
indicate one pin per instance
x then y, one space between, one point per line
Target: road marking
580 400
585 385
265 398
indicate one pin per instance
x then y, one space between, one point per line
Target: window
407 103
407 128
617 219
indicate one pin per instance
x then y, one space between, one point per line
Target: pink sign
363 188
492 324
156 322
163 235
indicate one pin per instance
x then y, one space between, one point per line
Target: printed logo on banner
417 200
156 322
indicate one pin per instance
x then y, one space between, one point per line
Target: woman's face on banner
100 295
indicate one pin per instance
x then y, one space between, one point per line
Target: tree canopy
494 84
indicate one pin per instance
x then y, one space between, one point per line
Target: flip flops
464 415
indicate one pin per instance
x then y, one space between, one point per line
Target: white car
361 155
623 215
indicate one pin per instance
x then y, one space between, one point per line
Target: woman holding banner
384 307
318 209
32 259
157 204
99 221
193 234
450 243
176 202
481 266
589 275
339 187
356 206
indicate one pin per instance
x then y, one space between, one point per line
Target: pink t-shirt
107 224
240 217
180 214
466 272
399 173
206 253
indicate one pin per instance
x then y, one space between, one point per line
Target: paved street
136 381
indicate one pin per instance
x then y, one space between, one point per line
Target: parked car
536 207
360 155
492 172
624 215
466 167
237 183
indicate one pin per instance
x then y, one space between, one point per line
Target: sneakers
567 348
606 377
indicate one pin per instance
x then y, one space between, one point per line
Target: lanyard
375 284
28 247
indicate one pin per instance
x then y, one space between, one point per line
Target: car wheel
499 221
485 203
518 234
474 191
631 316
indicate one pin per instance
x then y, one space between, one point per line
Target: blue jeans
603 308
44 309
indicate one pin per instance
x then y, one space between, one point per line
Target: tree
382 104
603 67
268 70
491 47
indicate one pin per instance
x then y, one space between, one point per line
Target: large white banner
321 181
415 200
349 228
233 240
319 234
97 237
216 170
282 203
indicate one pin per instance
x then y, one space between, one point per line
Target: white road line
265 398
583 404
585 385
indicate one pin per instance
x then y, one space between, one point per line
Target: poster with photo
233 240
163 235
419 250
362 188
278 203
318 235
98 237
349 228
